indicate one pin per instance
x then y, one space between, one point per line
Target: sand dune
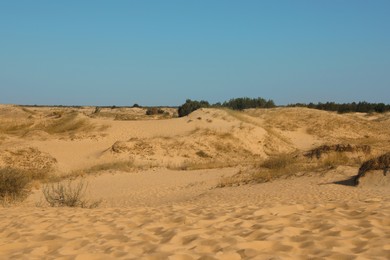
157 177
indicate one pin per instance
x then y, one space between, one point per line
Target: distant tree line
363 107
235 103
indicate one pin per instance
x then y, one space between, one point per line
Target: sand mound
375 172
29 159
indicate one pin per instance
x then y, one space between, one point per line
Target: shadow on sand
351 181
347 182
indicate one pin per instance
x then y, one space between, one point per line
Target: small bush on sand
14 185
202 154
154 111
69 194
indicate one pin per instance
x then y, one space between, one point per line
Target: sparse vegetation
15 127
32 162
278 162
14 185
97 110
154 111
68 194
379 163
67 124
57 122
339 148
334 160
293 164
202 154
190 165
112 166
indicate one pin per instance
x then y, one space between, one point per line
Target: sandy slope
159 212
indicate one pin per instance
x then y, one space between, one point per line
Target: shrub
202 154
379 163
154 111
14 184
97 110
190 106
68 194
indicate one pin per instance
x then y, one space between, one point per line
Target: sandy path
302 218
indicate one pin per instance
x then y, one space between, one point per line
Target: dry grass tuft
15 128
278 162
55 123
334 160
191 165
69 194
112 166
339 148
14 185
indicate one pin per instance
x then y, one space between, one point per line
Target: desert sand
186 188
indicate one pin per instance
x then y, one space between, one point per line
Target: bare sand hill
158 176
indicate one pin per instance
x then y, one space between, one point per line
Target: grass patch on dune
190 165
56 123
112 166
284 165
278 162
98 168
67 124
31 161
15 128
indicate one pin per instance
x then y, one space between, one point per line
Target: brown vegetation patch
340 148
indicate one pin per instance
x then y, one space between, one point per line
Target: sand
300 218
160 211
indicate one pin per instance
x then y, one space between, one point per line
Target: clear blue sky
163 52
